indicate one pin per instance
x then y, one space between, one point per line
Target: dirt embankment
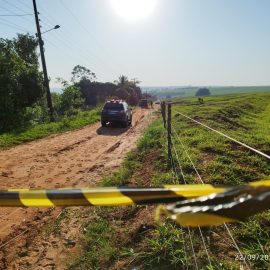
74 159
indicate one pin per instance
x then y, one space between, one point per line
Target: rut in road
73 159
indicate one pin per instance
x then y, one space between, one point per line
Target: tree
71 98
82 73
57 102
20 81
202 92
96 92
128 90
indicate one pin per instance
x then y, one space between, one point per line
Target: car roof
115 101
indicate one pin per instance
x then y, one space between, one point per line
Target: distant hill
188 91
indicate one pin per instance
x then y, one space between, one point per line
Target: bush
202 92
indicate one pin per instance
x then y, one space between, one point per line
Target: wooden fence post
169 134
163 112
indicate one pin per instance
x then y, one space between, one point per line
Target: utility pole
46 79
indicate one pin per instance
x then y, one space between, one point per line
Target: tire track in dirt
73 159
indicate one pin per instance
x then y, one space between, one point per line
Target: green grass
215 91
98 238
244 117
167 246
43 130
163 249
55 227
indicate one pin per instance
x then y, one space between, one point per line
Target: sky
180 42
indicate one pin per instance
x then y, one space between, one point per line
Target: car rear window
114 106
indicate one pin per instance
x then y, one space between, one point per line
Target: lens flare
134 10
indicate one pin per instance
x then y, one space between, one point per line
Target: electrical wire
15 15
25 4
12 25
65 39
49 18
85 29
84 54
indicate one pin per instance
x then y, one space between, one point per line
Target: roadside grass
54 228
135 241
98 239
43 130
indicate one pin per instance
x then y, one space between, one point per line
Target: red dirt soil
73 159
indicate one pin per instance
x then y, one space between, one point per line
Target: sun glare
134 10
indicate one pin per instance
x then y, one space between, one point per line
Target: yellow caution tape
194 205
232 205
104 196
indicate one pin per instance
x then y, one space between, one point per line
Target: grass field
39 131
215 90
129 238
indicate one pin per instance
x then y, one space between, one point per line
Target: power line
15 15
95 59
11 26
71 48
83 55
83 27
25 4
11 4
64 38
14 26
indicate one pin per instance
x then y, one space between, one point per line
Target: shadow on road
112 129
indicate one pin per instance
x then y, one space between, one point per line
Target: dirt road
73 159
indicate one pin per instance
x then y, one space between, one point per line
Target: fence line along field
130 238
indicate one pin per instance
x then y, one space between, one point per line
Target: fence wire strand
202 237
226 136
200 178
175 181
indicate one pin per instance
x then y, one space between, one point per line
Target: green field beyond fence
163 92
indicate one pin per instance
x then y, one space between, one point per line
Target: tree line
22 93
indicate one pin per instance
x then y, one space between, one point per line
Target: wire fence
175 136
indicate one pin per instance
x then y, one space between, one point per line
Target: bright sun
134 10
